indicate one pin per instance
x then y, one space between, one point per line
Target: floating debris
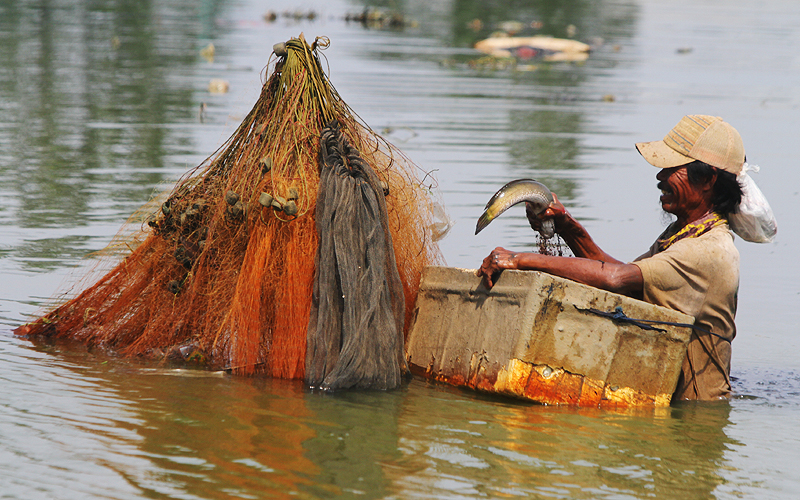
201 113
378 19
572 30
208 52
299 15
218 86
535 47
511 27
492 63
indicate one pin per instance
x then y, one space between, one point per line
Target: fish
529 190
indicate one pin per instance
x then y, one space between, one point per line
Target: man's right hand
555 211
570 230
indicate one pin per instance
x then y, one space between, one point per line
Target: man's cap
697 137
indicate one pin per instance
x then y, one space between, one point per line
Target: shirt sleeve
671 279
649 253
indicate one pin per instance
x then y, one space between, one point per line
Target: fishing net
353 343
223 271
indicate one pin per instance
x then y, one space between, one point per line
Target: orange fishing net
223 272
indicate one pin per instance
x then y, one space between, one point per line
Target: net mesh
223 270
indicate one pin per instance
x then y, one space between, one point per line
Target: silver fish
514 192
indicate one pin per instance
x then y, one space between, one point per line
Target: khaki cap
697 137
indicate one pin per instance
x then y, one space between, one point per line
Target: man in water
693 267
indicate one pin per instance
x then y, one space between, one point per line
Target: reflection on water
93 92
123 430
564 452
550 101
99 108
483 128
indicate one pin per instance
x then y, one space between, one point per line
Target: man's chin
666 217
666 203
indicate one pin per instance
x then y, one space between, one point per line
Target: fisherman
693 267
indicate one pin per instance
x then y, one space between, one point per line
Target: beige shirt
698 276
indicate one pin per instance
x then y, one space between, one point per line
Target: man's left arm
615 277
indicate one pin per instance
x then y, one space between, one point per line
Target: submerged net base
355 332
223 273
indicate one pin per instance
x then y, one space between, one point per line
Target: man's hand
499 259
555 211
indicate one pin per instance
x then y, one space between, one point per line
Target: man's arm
572 231
615 276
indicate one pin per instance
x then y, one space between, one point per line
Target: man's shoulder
710 252
720 236
707 261
716 244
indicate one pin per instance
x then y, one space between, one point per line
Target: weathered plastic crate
533 336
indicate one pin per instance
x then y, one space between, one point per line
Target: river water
100 107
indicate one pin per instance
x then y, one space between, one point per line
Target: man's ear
709 184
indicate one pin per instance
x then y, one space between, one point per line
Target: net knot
321 43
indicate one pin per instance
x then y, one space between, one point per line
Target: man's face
678 195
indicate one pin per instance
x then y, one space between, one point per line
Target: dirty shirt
698 276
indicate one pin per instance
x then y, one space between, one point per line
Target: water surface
100 107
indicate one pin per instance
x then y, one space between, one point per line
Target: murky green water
100 105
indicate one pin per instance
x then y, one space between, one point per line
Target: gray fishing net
355 330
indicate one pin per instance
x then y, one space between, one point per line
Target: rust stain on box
531 337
